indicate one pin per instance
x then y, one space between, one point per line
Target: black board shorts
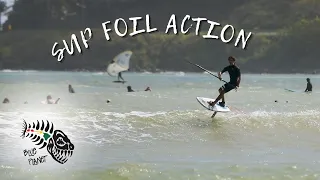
227 87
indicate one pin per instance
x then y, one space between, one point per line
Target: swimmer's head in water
5 100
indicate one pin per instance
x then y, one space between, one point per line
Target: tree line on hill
284 40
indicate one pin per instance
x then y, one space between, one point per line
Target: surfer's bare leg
221 96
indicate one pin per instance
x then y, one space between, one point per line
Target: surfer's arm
238 81
219 75
221 72
57 101
239 78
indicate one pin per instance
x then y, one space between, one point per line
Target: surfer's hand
236 88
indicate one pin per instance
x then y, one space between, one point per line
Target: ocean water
165 133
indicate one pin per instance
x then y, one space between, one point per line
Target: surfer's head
231 60
49 97
308 79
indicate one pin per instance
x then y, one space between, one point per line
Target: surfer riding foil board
235 77
119 64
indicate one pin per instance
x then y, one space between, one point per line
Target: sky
9 3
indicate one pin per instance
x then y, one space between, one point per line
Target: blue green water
165 133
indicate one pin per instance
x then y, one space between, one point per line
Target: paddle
210 73
205 70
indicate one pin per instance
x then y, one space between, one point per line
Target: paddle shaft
206 71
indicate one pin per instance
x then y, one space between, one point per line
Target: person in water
147 89
5 101
309 86
50 101
71 90
235 78
130 89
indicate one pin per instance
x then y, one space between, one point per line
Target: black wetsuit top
309 87
234 73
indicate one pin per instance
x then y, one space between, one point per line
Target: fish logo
43 134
